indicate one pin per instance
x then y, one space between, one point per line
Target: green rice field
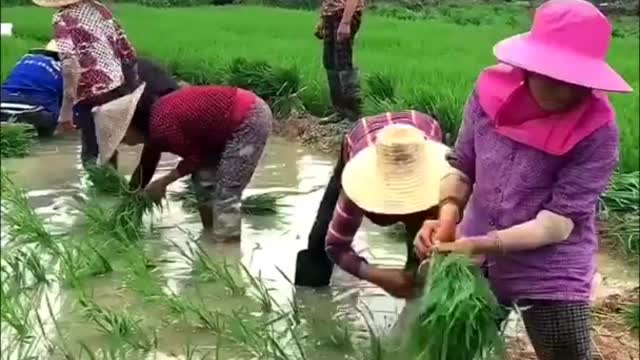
94 271
429 65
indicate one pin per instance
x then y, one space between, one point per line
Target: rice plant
457 316
262 292
620 212
381 87
15 311
81 260
623 193
632 317
16 140
120 326
24 225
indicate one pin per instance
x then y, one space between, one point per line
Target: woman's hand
65 119
344 31
436 231
397 282
319 32
156 190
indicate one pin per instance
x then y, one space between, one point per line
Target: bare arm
349 10
70 77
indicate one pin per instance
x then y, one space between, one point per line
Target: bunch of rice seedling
106 180
262 204
259 204
16 140
458 314
127 216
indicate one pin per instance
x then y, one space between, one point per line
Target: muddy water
269 244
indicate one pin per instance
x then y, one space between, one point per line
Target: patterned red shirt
195 123
347 216
87 31
332 7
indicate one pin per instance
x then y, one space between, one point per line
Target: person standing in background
340 21
98 62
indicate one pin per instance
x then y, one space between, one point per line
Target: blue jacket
35 80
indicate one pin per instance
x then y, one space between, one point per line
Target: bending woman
388 172
220 133
537 146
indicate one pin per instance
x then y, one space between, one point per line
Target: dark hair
158 84
48 53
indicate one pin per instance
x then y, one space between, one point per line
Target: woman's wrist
449 211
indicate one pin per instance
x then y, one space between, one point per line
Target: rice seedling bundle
127 216
106 180
458 314
16 140
259 204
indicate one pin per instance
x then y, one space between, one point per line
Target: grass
422 71
16 140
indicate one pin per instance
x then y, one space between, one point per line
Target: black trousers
43 121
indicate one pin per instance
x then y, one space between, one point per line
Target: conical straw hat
55 3
399 174
52 46
112 121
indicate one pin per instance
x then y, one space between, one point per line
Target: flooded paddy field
172 296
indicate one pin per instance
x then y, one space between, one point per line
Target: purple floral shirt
512 183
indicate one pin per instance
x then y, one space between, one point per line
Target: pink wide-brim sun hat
568 41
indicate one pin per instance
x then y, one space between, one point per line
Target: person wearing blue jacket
32 92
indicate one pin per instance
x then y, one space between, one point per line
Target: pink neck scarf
514 113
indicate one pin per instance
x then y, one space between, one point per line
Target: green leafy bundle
458 315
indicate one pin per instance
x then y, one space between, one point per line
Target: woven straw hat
52 46
399 174
112 121
55 3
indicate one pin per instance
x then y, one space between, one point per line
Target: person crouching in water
219 132
389 172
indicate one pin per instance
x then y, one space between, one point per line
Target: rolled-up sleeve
347 218
585 177
463 155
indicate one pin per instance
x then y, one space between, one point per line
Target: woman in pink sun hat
536 149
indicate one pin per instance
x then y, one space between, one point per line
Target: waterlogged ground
335 320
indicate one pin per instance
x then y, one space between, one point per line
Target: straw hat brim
112 121
55 3
366 189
